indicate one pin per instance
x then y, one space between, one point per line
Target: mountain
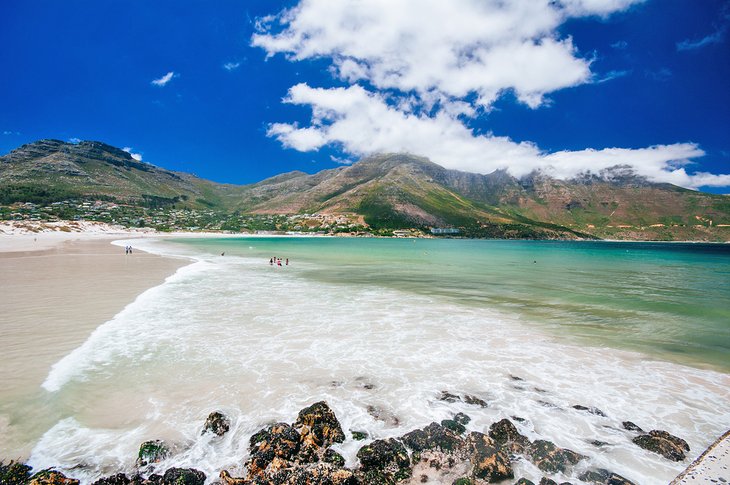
388 191
49 170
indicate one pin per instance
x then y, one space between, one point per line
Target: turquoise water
671 301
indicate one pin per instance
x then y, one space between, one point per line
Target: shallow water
379 328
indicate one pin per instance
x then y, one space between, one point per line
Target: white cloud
714 38
438 49
74 140
417 68
363 123
164 79
136 156
231 66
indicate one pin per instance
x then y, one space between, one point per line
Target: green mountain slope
389 191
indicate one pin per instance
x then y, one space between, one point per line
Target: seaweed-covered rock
463 481
505 434
489 461
547 481
446 396
629 426
385 460
183 476
453 425
433 437
279 441
601 476
118 479
51 477
331 456
321 474
524 481
462 418
217 423
14 473
550 458
153 451
359 435
318 425
591 410
475 401
663 443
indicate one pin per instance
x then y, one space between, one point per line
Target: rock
475 401
505 434
462 418
489 461
153 451
382 415
183 476
322 474
667 445
279 441
385 460
591 410
14 473
453 426
51 477
524 481
448 397
433 437
549 458
331 456
118 479
217 423
602 476
628 425
227 479
317 424
463 481
547 481
359 435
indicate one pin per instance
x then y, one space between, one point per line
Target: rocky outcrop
601 476
552 459
51 477
14 473
383 462
217 423
490 462
183 476
505 434
663 443
153 451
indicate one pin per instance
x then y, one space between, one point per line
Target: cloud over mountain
417 72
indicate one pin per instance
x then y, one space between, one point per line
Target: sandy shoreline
57 288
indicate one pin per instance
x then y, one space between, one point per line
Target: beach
57 287
107 350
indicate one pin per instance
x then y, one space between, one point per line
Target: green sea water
670 301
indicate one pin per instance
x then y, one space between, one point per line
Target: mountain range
386 191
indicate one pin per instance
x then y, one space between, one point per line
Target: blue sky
252 88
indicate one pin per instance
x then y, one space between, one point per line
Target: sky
238 91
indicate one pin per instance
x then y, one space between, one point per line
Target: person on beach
271 261
278 262
287 261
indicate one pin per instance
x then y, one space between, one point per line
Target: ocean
380 328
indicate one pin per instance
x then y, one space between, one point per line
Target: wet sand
52 299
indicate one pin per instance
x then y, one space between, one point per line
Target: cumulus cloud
362 122
161 82
136 156
74 140
418 70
